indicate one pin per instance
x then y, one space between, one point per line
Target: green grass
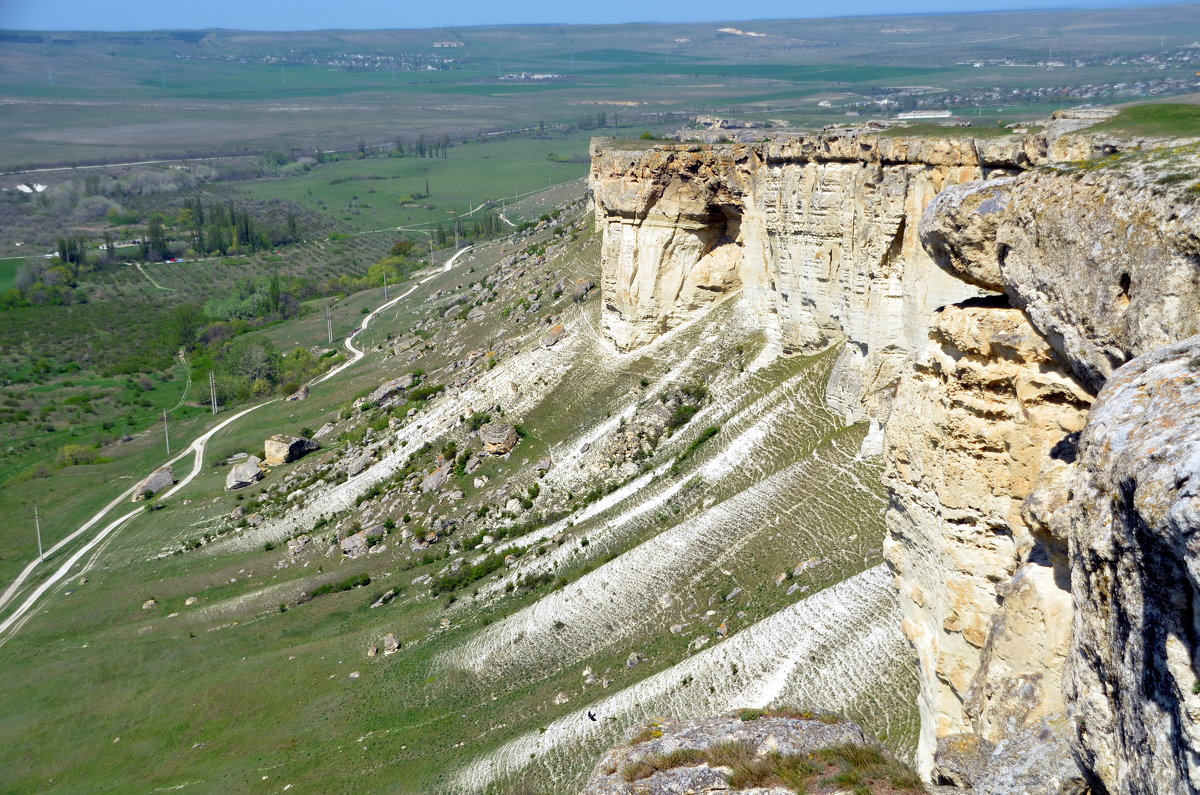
1167 120
8 271
472 173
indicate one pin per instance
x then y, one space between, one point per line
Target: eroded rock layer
986 602
1134 514
819 235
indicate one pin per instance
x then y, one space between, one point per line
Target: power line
38 524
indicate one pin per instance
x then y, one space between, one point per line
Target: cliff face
819 236
1104 261
986 601
1014 550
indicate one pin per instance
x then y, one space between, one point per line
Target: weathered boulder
244 473
299 394
958 229
1035 760
156 481
389 388
358 464
581 288
390 644
1134 519
498 438
355 546
554 336
283 449
437 478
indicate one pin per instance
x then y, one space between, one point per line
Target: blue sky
364 14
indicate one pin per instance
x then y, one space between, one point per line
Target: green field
1168 120
8 271
473 173
167 94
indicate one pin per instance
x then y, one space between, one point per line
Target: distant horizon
354 15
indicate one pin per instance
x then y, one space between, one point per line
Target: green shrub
350 583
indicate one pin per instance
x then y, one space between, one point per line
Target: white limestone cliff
888 244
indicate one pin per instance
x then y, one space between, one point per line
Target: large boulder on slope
283 449
244 473
156 481
498 438
389 388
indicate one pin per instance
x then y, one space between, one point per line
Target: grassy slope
474 171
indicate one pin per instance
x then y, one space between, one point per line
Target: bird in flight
591 715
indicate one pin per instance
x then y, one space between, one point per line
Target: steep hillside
550 527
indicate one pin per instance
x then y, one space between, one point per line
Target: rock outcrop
1103 260
694 756
156 481
498 438
389 388
284 449
1133 514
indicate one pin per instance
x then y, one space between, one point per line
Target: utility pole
329 323
385 295
167 432
456 233
38 524
430 247
212 390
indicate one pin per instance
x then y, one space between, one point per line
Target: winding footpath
355 352
14 619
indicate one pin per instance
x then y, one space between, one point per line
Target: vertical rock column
975 423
